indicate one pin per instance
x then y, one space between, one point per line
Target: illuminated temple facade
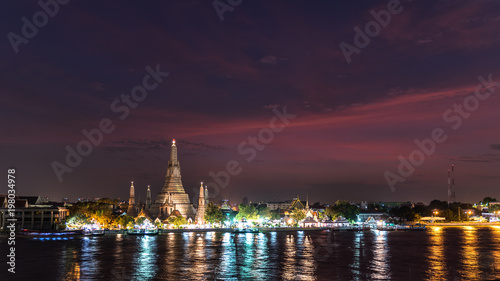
172 197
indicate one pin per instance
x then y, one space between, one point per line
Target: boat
93 232
417 226
50 235
143 231
98 232
246 230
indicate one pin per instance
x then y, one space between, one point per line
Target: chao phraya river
438 253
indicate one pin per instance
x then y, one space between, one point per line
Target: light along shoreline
454 224
271 229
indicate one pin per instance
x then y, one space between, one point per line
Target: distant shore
463 224
261 229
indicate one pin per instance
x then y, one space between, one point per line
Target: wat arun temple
172 199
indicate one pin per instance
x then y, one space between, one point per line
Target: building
31 213
284 205
368 216
148 199
132 207
172 197
200 216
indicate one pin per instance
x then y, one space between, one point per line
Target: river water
439 253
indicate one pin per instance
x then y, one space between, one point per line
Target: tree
107 201
78 219
344 209
405 213
130 224
158 224
122 221
140 220
494 208
103 217
488 199
213 213
298 214
449 215
275 215
264 212
436 204
177 221
249 212
321 215
331 212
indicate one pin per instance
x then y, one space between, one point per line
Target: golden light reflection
495 251
470 256
307 262
73 272
172 249
298 261
437 264
197 256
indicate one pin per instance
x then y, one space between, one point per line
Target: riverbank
451 224
166 231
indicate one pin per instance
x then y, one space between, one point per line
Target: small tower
148 199
206 195
307 202
451 184
131 200
201 206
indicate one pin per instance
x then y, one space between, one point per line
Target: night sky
226 79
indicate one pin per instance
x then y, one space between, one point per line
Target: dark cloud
495 146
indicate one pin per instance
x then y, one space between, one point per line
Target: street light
468 214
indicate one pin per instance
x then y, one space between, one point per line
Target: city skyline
216 85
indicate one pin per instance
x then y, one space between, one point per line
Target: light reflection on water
357 247
145 258
92 247
470 266
437 267
380 266
289 256
440 253
495 248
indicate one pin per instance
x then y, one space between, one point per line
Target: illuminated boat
49 235
98 232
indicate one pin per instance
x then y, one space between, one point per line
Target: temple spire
173 153
131 200
148 199
206 194
201 200
200 217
